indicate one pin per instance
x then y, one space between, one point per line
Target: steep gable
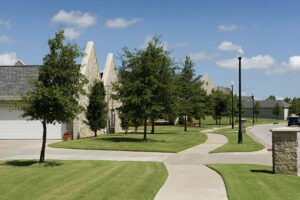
90 69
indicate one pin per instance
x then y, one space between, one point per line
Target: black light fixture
232 109
252 107
240 134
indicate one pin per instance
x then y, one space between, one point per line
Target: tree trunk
200 122
42 155
185 128
145 129
126 130
135 129
152 122
95 132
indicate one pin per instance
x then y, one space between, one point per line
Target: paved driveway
263 134
30 149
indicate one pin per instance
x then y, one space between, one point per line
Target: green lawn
257 182
166 139
81 180
248 145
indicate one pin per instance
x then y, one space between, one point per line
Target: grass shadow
262 171
31 163
126 139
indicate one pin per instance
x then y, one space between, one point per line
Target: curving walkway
188 178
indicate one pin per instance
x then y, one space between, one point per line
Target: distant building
266 108
208 86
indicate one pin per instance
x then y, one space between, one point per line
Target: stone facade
90 69
208 84
109 77
285 150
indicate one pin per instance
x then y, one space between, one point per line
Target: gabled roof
266 103
14 80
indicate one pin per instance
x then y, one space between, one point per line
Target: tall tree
295 106
271 97
256 109
186 89
287 100
220 106
144 79
54 95
277 110
199 98
97 108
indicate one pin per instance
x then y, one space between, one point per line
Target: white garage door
12 126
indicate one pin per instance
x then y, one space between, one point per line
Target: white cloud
8 58
223 27
292 66
72 33
5 23
258 62
121 22
5 39
77 18
200 56
229 46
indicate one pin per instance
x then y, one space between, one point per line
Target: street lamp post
252 108
232 111
240 134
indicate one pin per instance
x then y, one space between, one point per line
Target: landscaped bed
257 182
166 139
81 180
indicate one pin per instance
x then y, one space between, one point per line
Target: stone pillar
285 150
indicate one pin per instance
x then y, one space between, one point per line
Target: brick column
285 150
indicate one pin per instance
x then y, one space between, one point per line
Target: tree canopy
97 108
144 82
54 95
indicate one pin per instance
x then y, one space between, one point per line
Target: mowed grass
166 139
81 180
232 145
257 182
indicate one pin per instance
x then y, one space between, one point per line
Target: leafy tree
219 105
256 109
271 97
199 98
144 79
277 110
295 106
54 95
186 90
97 108
287 100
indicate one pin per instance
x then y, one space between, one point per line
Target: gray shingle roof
14 80
266 103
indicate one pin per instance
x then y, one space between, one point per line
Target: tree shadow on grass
126 139
262 171
31 163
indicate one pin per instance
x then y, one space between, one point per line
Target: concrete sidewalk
188 178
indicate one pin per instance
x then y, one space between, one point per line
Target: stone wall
110 77
89 67
285 150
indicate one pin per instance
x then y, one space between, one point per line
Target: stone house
14 83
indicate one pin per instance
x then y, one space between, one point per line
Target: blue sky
212 32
